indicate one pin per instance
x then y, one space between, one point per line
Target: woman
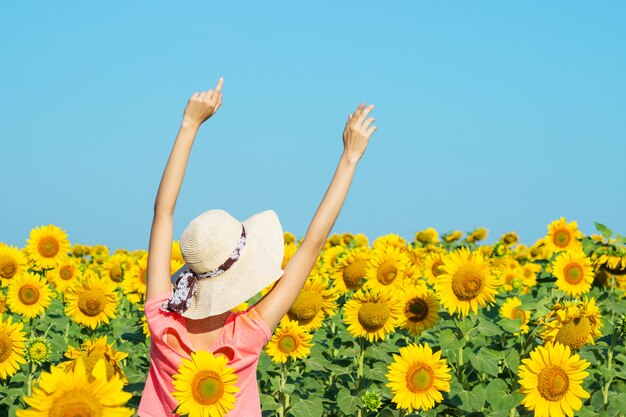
227 262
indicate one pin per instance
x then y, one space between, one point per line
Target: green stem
30 379
284 397
359 372
460 367
609 359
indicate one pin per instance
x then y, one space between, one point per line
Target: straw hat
226 262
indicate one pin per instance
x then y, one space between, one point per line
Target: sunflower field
438 326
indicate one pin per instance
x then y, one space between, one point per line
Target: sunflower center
92 358
516 313
28 294
76 403
417 310
116 273
573 273
7 267
287 344
574 333
353 274
420 377
142 276
386 274
528 273
373 316
552 383
91 303
66 273
6 346
307 305
436 268
562 238
38 351
467 282
48 247
208 388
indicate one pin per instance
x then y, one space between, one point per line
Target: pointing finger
218 89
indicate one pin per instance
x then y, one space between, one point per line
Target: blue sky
497 114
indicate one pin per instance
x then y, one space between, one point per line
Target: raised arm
199 108
279 300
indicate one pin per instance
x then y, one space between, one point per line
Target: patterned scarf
186 282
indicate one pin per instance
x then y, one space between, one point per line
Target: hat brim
258 266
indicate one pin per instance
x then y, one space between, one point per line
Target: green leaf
310 407
619 402
268 402
606 232
449 341
477 397
486 328
512 360
510 325
486 361
496 389
347 402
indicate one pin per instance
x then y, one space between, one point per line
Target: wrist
349 158
188 123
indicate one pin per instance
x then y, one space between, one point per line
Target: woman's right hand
356 134
203 105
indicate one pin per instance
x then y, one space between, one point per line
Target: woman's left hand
203 105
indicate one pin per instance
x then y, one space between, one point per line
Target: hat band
187 280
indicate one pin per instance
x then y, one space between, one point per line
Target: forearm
328 210
175 169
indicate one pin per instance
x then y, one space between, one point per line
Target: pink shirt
241 340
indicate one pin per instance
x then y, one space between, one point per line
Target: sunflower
37 350
93 302
417 376
477 235
12 340
510 310
427 236
529 273
289 251
3 303
511 277
176 253
453 236
135 279
372 314
350 272
421 309
59 394
572 323
289 341
144 324
48 246
391 239
386 268
562 236
65 275
29 295
92 351
467 282
205 385
610 258
315 301
12 263
551 380
289 237
509 239
432 267
115 266
331 257
573 272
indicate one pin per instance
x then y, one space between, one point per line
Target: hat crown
209 239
